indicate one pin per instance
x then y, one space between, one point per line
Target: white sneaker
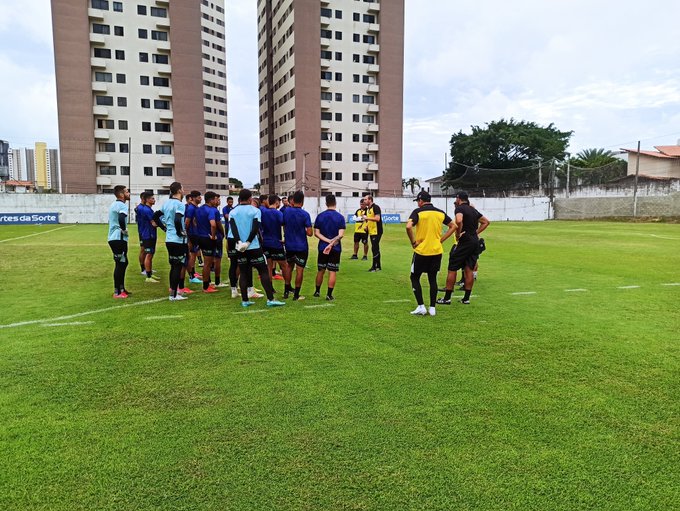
235 292
432 311
177 298
420 311
222 284
253 294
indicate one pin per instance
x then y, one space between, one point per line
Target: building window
355 177
146 148
338 176
107 147
367 177
326 13
325 54
338 55
123 148
356 98
338 137
356 57
326 96
326 116
157 35
104 100
143 56
163 149
119 31
326 157
338 15
356 38
369 39
355 157
143 33
160 59
356 16
146 103
124 170
118 6
101 29
368 100
141 9
146 126
120 78
100 4
356 78
161 104
367 158
338 77
355 194
368 119
102 53
122 101
338 35
338 156
120 54
367 138
326 75
338 116
162 127
326 34
368 18
122 125
161 82
355 117
163 171
338 96
107 170
355 137
159 12
369 59
327 176
102 77
143 80
105 124
148 171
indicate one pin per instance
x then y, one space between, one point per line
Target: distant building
662 163
4 160
434 185
38 166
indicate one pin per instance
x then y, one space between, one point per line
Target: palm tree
591 158
411 183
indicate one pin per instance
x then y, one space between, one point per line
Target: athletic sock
217 280
296 294
206 285
142 267
466 297
148 274
447 295
329 292
181 284
318 289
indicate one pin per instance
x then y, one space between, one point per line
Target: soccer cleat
432 311
316 294
277 277
419 311
364 258
154 276
330 298
196 280
464 301
150 280
185 291
120 295
299 298
275 303
252 293
461 285
221 284
235 292
286 294
442 301
247 304
354 257
143 273
373 270
211 290
177 298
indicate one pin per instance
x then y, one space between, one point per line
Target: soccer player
469 224
272 242
147 234
142 254
193 201
227 209
244 227
360 231
427 248
297 228
118 239
284 203
172 221
329 227
208 223
375 230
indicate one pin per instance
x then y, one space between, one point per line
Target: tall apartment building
39 166
331 96
141 90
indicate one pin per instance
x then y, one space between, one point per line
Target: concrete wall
93 208
599 207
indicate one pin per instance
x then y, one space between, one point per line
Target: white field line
671 284
524 293
36 234
628 287
319 306
81 314
397 301
150 318
663 237
72 323
579 290
256 311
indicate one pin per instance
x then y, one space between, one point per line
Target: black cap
462 196
423 196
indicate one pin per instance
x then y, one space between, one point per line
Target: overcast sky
606 69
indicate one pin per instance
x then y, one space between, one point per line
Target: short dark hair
244 195
290 198
145 195
195 193
210 196
368 196
230 198
299 197
263 198
175 188
463 196
273 198
330 200
119 190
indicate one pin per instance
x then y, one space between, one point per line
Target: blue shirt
226 210
295 221
169 209
115 232
203 216
144 217
272 221
329 224
190 214
243 216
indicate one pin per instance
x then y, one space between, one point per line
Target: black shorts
298 257
464 254
207 246
219 249
149 245
177 253
232 253
361 237
275 254
426 264
194 244
330 262
252 257
119 249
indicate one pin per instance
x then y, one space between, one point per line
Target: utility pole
304 171
635 187
568 173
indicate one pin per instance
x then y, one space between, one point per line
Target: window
162 104
355 157
161 82
369 39
338 35
338 55
107 147
327 176
367 158
326 136
369 59
367 177
326 75
141 9
119 31
163 149
368 100
122 125
355 137
368 79
159 12
146 126
368 119
120 78
100 4
120 54
356 16
338 176
103 77
356 78
162 127
356 38
338 96
122 101
143 33
157 35
125 171
355 117
326 54
338 116
148 171
326 34
338 15
105 124
163 171
368 138
118 6
326 13
326 116
326 96
146 148
355 177
356 98
160 59
104 100
368 18
143 80
107 170
338 156
123 148
102 53
146 103
338 137
143 57
326 157
101 29
338 77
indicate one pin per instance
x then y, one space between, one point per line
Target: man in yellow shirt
360 231
427 248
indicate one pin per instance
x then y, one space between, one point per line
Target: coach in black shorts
469 224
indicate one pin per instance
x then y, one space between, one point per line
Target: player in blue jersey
193 200
146 227
272 236
208 224
227 209
329 227
171 219
118 239
297 228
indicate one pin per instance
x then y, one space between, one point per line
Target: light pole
304 170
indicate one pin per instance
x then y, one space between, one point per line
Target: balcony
325 63
373 69
373 27
164 92
101 134
163 23
97 39
99 87
325 21
372 167
95 14
163 46
104 181
325 145
326 165
325 84
374 7
325 42
163 3
165 69
167 160
325 125
167 138
374 88
325 2
373 128
373 109
102 157
325 105
167 181
372 148
371 185
166 115
98 63
100 111
373 48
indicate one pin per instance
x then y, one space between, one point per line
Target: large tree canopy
504 145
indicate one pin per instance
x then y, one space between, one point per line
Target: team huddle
269 231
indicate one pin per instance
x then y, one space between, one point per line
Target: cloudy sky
607 69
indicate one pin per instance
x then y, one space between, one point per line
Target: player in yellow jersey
360 231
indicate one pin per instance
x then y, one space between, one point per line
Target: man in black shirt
469 224
375 230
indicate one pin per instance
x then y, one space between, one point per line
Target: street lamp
304 170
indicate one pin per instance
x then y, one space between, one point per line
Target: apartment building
141 90
331 96
39 165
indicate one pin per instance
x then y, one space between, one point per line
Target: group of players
264 232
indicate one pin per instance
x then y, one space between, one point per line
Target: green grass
556 400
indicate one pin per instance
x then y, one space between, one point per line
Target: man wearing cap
375 230
469 224
427 248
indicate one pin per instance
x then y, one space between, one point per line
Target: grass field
556 389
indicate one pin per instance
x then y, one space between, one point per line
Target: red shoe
185 291
120 295
277 277
211 290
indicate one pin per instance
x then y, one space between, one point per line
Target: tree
596 166
411 183
257 186
236 182
502 145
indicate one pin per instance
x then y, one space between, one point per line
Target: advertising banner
28 218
